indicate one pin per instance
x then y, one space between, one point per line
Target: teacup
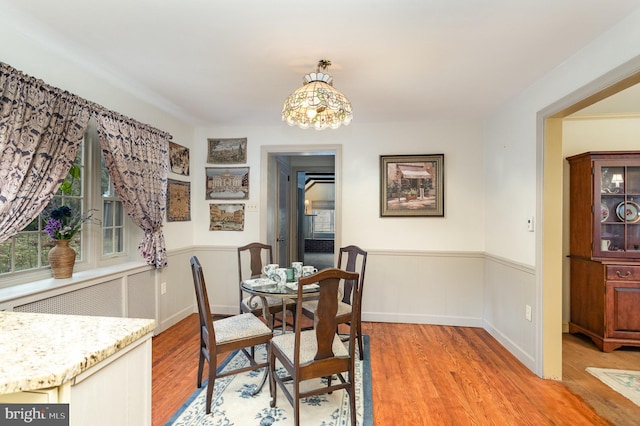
269 269
308 270
279 276
297 267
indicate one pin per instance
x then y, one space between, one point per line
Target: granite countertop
39 351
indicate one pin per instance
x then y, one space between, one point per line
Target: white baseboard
422 319
511 346
174 319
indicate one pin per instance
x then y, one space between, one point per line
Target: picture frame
178 159
227 183
227 151
412 185
178 201
226 217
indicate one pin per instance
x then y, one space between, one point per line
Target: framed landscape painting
227 151
179 159
412 185
226 217
178 201
227 183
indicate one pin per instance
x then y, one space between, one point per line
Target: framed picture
227 183
226 217
179 159
227 151
178 201
412 185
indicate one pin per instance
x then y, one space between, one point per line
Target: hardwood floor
421 375
578 353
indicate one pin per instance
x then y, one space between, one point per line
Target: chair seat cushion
239 327
308 345
311 306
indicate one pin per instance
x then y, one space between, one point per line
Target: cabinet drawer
623 272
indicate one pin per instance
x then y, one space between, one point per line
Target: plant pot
62 258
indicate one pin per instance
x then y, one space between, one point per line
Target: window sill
51 286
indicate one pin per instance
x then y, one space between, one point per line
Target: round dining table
263 287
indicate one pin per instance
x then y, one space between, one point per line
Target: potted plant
62 226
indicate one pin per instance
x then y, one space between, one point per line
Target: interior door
300 213
282 220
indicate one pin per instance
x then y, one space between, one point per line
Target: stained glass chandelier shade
317 104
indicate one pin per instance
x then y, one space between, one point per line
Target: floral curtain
137 157
41 128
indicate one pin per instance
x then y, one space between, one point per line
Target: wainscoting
443 288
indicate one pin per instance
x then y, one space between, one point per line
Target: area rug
233 404
624 382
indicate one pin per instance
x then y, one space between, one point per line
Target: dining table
263 287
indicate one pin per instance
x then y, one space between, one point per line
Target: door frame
268 185
549 163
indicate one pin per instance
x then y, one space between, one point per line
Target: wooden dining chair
257 255
352 259
316 353
233 333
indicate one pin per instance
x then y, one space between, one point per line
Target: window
26 253
112 216
323 221
28 249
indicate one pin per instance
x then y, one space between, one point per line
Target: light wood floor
578 353
427 375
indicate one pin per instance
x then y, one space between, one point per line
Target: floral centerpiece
62 226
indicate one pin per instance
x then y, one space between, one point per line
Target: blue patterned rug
624 382
233 404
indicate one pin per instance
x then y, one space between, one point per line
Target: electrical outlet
163 288
527 312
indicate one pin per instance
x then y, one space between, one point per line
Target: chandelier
317 104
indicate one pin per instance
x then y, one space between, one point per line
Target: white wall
421 270
38 57
460 141
513 173
32 54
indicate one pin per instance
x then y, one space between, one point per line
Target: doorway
315 206
282 222
550 170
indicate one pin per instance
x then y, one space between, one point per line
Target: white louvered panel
104 299
141 295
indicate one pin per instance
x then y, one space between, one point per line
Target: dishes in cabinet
604 212
628 211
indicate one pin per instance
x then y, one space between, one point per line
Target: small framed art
227 151
226 217
227 183
178 201
179 159
412 185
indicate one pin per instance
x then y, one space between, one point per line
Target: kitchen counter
41 351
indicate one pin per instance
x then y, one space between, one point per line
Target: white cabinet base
116 391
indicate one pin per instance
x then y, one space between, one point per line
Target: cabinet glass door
619 212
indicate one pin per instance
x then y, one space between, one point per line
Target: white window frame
92 256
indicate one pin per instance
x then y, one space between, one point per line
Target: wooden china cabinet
605 247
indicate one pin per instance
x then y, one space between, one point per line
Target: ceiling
222 62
